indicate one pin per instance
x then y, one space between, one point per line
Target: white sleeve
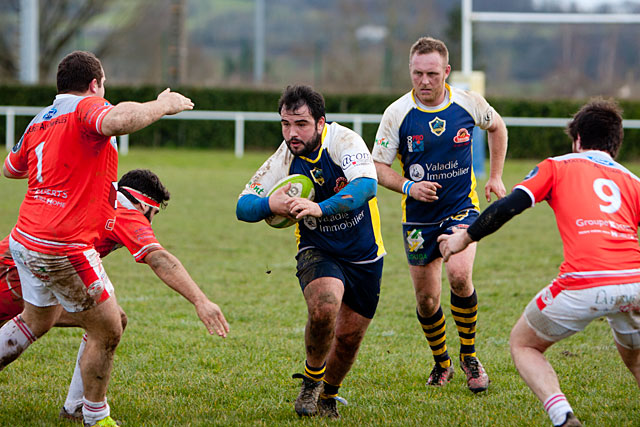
385 148
477 106
273 170
348 150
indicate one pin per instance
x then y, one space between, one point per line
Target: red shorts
10 293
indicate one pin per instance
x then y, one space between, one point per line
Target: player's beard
308 146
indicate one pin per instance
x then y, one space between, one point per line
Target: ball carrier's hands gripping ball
301 186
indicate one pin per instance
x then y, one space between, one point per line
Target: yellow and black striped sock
434 329
465 314
316 374
329 391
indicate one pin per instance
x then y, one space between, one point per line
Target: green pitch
169 371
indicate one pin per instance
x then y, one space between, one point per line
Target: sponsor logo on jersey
49 115
414 240
341 182
256 187
357 159
462 137
383 142
531 174
438 126
17 146
316 175
310 222
416 172
600 160
95 289
415 143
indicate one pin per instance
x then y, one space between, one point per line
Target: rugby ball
301 186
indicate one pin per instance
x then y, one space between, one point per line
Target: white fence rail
240 117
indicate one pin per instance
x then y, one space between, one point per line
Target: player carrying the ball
340 250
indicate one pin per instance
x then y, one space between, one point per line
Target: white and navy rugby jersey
352 236
434 145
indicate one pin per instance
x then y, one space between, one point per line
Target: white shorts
555 315
78 281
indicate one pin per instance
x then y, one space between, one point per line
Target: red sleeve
91 112
132 229
539 182
16 162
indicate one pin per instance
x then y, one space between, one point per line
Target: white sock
15 337
92 412
76 388
557 407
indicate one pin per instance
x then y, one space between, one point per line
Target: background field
168 371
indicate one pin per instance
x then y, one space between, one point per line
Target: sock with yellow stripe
434 329
329 391
465 314
316 374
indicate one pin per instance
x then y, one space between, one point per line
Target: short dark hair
145 182
426 45
599 126
295 96
77 70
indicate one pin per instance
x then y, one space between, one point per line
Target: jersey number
608 192
38 152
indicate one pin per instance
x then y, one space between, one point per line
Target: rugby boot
440 376
105 422
307 401
328 407
571 421
477 378
75 415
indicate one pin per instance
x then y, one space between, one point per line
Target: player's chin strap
138 197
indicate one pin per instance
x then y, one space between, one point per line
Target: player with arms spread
429 130
340 247
596 202
140 197
69 156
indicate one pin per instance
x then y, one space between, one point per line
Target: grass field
169 371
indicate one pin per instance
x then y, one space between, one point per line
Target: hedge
524 142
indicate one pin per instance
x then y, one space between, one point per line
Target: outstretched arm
128 117
169 268
493 217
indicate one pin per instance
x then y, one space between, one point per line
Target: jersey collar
426 109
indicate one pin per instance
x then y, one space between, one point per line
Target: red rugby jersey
596 202
72 168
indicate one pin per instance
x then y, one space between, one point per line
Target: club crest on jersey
16 147
438 126
341 182
316 175
531 174
416 172
462 137
414 240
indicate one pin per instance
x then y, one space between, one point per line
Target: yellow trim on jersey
473 194
324 134
403 202
297 234
447 87
375 222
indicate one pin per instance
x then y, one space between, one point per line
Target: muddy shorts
10 293
421 240
361 281
555 314
76 281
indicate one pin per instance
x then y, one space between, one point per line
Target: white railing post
123 146
357 124
239 142
11 129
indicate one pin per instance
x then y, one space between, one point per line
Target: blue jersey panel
436 146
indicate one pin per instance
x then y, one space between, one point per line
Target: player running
596 202
70 158
140 197
339 242
429 130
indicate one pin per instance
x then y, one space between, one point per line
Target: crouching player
596 202
140 196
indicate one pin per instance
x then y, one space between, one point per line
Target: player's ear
320 124
94 86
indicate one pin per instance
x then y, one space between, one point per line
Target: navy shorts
361 281
421 240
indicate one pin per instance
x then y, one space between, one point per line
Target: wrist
406 187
